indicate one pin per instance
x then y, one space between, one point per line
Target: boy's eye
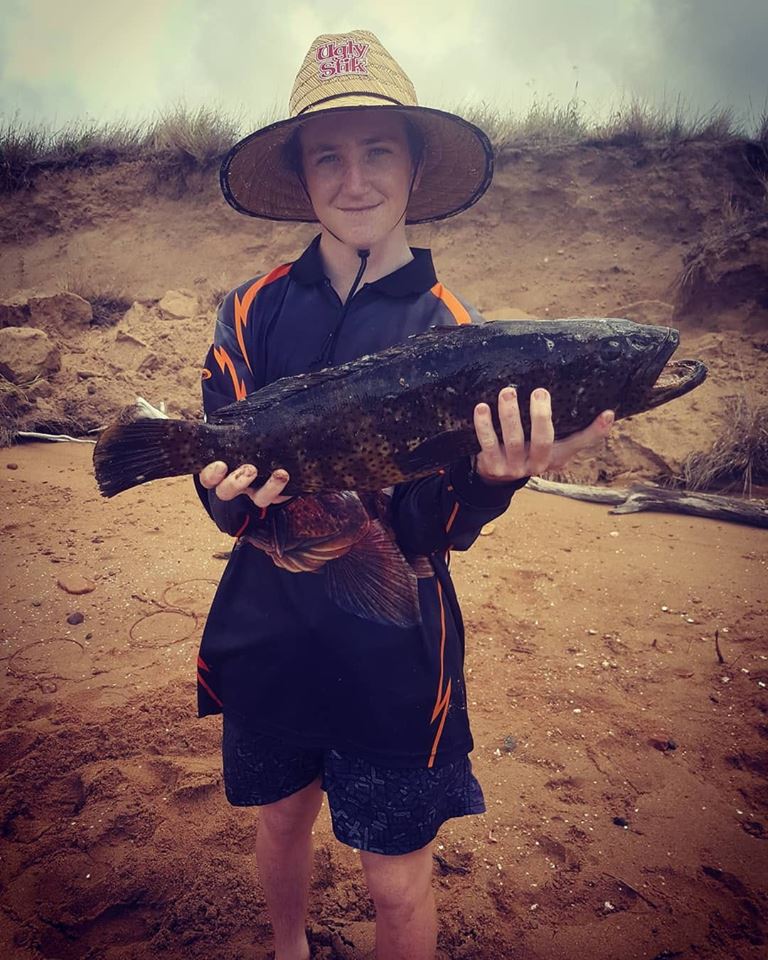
327 158
378 151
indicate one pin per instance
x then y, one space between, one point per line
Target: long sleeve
447 510
227 377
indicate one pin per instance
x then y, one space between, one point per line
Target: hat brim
457 168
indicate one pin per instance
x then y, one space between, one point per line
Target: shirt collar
417 276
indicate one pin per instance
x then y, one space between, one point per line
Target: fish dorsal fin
437 328
283 389
287 387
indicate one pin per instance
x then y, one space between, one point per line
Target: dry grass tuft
723 238
13 403
108 298
199 137
738 457
25 149
632 122
761 133
180 139
546 122
639 121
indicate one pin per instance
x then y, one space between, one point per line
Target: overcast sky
64 60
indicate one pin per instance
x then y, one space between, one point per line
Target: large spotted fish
407 411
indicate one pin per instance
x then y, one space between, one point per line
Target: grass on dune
634 121
732 232
188 138
738 457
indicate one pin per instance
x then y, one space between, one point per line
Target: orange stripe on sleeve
225 362
438 735
443 700
452 518
242 306
442 651
458 310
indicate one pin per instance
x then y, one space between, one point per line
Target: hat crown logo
341 58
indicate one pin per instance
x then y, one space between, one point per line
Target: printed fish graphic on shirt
349 543
408 411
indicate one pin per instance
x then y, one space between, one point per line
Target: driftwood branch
577 491
662 499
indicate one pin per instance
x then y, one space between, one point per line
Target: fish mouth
676 378
668 379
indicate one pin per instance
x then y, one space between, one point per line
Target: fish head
595 364
639 356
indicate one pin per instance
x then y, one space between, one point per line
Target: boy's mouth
372 206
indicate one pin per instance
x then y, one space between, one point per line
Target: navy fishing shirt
336 624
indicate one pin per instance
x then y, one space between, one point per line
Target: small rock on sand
75 583
75 617
27 353
178 305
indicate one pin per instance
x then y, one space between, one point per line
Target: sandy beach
622 748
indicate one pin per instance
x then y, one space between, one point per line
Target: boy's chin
361 239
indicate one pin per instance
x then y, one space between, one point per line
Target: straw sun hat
353 71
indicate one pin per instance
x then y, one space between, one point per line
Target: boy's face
358 170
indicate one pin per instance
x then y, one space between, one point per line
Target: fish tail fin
128 454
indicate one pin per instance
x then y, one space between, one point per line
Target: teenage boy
323 688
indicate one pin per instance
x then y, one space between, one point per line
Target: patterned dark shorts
379 809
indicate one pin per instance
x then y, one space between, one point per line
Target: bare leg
406 918
284 855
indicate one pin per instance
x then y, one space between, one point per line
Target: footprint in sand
568 788
55 658
183 605
162 628
194 595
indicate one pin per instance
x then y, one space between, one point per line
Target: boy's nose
354 177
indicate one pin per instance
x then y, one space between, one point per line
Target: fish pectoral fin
437 451
421 566
373 581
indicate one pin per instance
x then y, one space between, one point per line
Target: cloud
80 58
61 60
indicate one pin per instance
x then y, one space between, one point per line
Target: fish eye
610 350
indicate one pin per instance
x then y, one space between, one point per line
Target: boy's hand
514 457
215 476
